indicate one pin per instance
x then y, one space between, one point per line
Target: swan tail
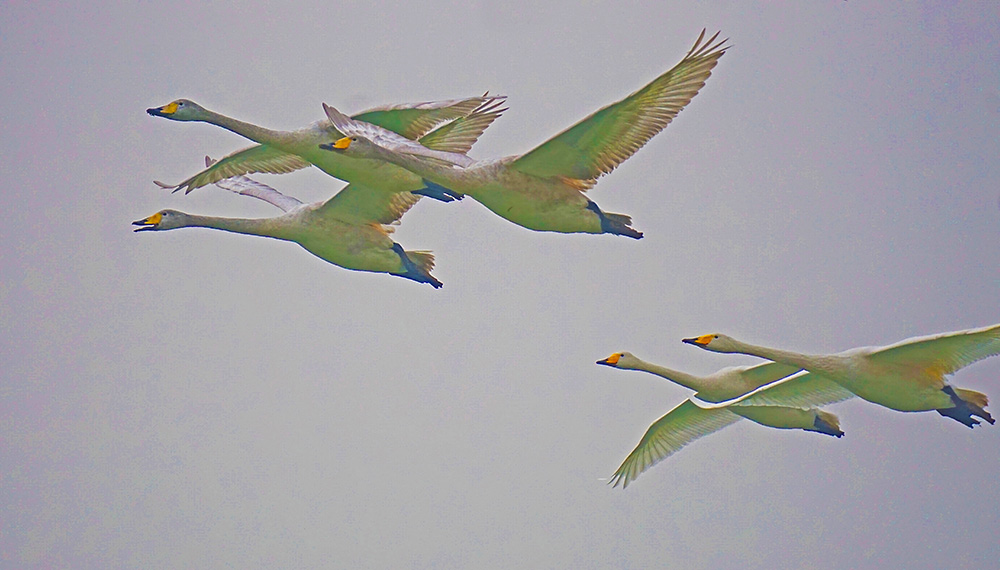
617 224
438 192
827 423
417 266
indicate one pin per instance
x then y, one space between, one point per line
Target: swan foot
617 224
414 271
964 410
438 192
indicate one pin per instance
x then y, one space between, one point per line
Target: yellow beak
343 143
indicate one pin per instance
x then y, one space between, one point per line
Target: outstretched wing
391 144
679 427
362 204
415 120
248 187
948 351
806 390
257 158
459 135
602 141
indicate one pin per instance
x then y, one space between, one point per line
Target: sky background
209 400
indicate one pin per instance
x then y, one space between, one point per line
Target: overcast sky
209 400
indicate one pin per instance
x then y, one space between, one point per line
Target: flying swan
907 376
279 152
783 386
543 190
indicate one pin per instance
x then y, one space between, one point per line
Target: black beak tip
154 111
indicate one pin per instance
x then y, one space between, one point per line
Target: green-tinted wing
804 391
417 119
362 204
459 135
680 426
602 141
257 158
949 351
766 373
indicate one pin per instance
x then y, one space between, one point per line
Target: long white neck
684 379
248 130
811 362
267 227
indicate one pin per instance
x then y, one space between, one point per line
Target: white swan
782 385
278 152
543 189
907 376
350 230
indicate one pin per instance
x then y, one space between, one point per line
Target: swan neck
248 130
256 227
677 377
806 361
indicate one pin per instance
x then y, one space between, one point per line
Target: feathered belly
903 390
539 207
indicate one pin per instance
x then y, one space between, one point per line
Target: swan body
350 229
908 376
790 400
278 152
543 190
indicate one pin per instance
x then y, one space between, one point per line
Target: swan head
624 360
714 342
354 145
179 110
162 220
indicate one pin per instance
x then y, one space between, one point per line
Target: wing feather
414 120
459 135
679 427
598 144
362 204
950 351
254 159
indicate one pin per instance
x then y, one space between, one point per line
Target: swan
783 386
907 376
350 229
279 152
543 190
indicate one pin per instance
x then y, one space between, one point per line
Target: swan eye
354 139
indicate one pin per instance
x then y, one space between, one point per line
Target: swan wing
257 158
680 426
459 135
805 390
605 139
363 204
948 352
766 373
390 143
414 120
248 187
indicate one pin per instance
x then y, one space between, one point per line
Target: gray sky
200 399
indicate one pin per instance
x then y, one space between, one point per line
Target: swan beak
701 341
342 144
149 223
164 111
610 361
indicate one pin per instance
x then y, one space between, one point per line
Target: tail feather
827 423
417 265
972 397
